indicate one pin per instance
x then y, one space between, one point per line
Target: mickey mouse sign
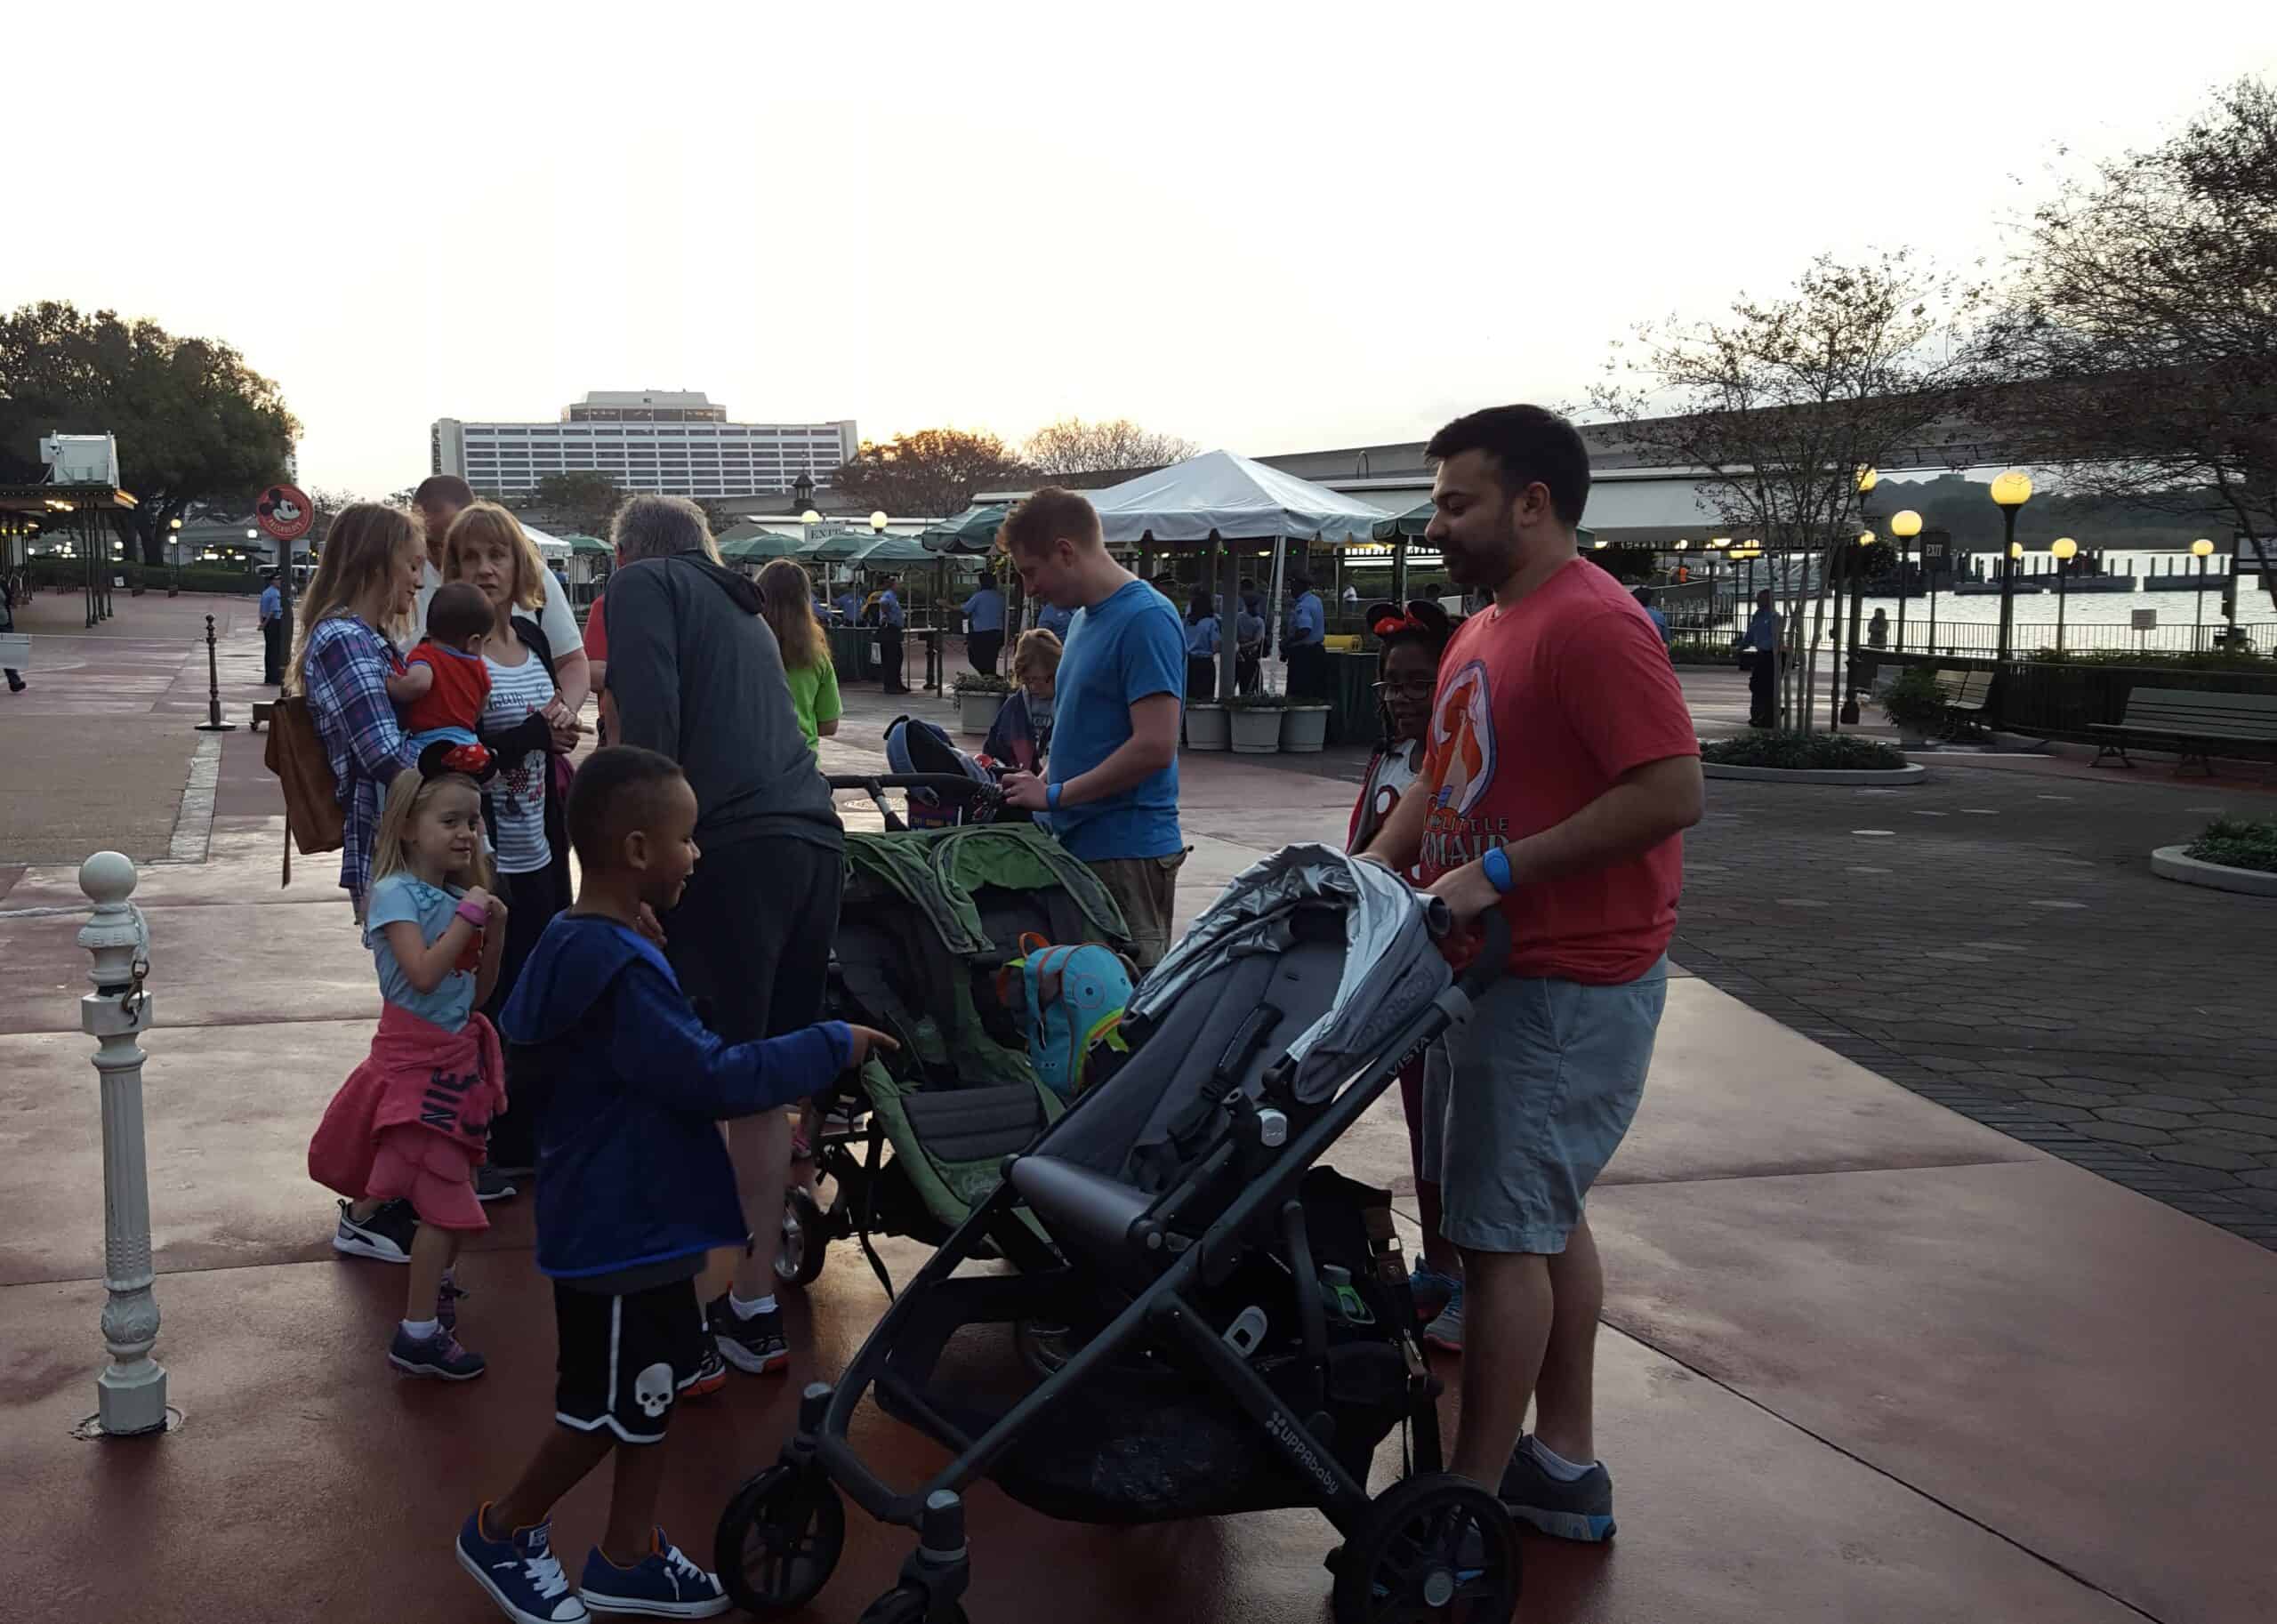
285 512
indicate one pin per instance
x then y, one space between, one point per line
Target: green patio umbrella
972 531
587 543
760 544
893 549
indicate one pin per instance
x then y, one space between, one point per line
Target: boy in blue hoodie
634 1189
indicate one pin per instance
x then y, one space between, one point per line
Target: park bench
1964 691
2196 723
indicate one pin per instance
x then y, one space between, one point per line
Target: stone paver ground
1996 941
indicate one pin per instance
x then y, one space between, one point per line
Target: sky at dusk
1270 228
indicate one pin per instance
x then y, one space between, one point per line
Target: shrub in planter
1255 721
2235 844
1799 751
980 694
1304 728
1915 705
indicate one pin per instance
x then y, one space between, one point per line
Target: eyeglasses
1409 687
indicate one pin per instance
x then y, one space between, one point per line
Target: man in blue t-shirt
848 606
1055 620
984 626
890 623
1301 643
1112 796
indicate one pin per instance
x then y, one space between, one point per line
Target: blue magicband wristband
1051 796
1496 863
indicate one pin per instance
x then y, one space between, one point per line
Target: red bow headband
1387 624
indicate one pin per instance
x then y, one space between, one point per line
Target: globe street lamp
2201 549
1854 574
2010 491
2064 549
1905 525
174 525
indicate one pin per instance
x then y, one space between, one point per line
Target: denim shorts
1537 1093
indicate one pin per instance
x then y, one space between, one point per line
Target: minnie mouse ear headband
445 757
1422 614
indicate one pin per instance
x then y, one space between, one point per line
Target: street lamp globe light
1905 524
811 517
1867 480
2202 549
2010 491
878 521
2065 549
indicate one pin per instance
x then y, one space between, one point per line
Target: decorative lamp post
174 525
2064 549
1904 524
253 535
2201 550
2010 491
1853 575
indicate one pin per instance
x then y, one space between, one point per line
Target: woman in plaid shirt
366 584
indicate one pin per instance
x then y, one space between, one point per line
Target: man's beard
1486 563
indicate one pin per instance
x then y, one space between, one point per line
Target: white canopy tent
1220 496
552 549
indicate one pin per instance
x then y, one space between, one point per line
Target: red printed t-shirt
596 631
455 698
1541 707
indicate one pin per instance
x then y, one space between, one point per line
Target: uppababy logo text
1298 1443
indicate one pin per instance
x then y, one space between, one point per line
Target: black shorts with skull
623 1357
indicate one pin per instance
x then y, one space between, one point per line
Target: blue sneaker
662 1585
1431 1290
521 1573
1445 1332
440 1355
1580 1509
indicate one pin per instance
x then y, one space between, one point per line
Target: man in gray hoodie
695 674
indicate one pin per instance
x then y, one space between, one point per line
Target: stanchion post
213 722
131 1393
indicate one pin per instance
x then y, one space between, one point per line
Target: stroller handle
944 784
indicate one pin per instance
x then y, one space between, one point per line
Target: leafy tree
584 498
2136 350
931 472
193 423
1781 401
1072 447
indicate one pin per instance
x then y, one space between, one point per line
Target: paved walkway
1866 1359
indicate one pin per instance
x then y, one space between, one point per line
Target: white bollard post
131 1394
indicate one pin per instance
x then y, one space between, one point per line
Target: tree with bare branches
2136 350
1781 401
1072 447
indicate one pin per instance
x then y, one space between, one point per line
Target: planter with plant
1304 728
1205 726
1916 706
980 694
2230 855
1807 758
1255 722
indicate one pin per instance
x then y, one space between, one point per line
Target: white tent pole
1273 621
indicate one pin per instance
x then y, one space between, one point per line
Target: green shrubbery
2235 844
1799 751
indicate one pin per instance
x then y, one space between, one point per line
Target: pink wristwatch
472 913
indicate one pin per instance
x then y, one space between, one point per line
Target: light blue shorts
1536 1094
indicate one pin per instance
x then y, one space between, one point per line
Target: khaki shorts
1145 888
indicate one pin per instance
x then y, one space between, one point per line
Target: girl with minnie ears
1409 644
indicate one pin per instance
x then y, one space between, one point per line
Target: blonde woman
786 603
361 597
524 808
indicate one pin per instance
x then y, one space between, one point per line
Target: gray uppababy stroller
1230 1319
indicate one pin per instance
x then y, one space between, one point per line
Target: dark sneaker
1445 1332
1431 1290
385 1235
521 1573
446 1303
492 1183
709 1376
664 1584
755 1346
440 1355
1582 1509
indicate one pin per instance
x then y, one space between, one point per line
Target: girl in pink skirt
409 1121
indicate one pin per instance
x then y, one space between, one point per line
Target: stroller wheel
779 1540
1431 1547
806 1240
905 1604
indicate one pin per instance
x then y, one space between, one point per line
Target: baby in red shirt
445 683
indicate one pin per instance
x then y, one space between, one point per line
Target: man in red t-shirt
1561 768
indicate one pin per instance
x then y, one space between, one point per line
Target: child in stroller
1236 1319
